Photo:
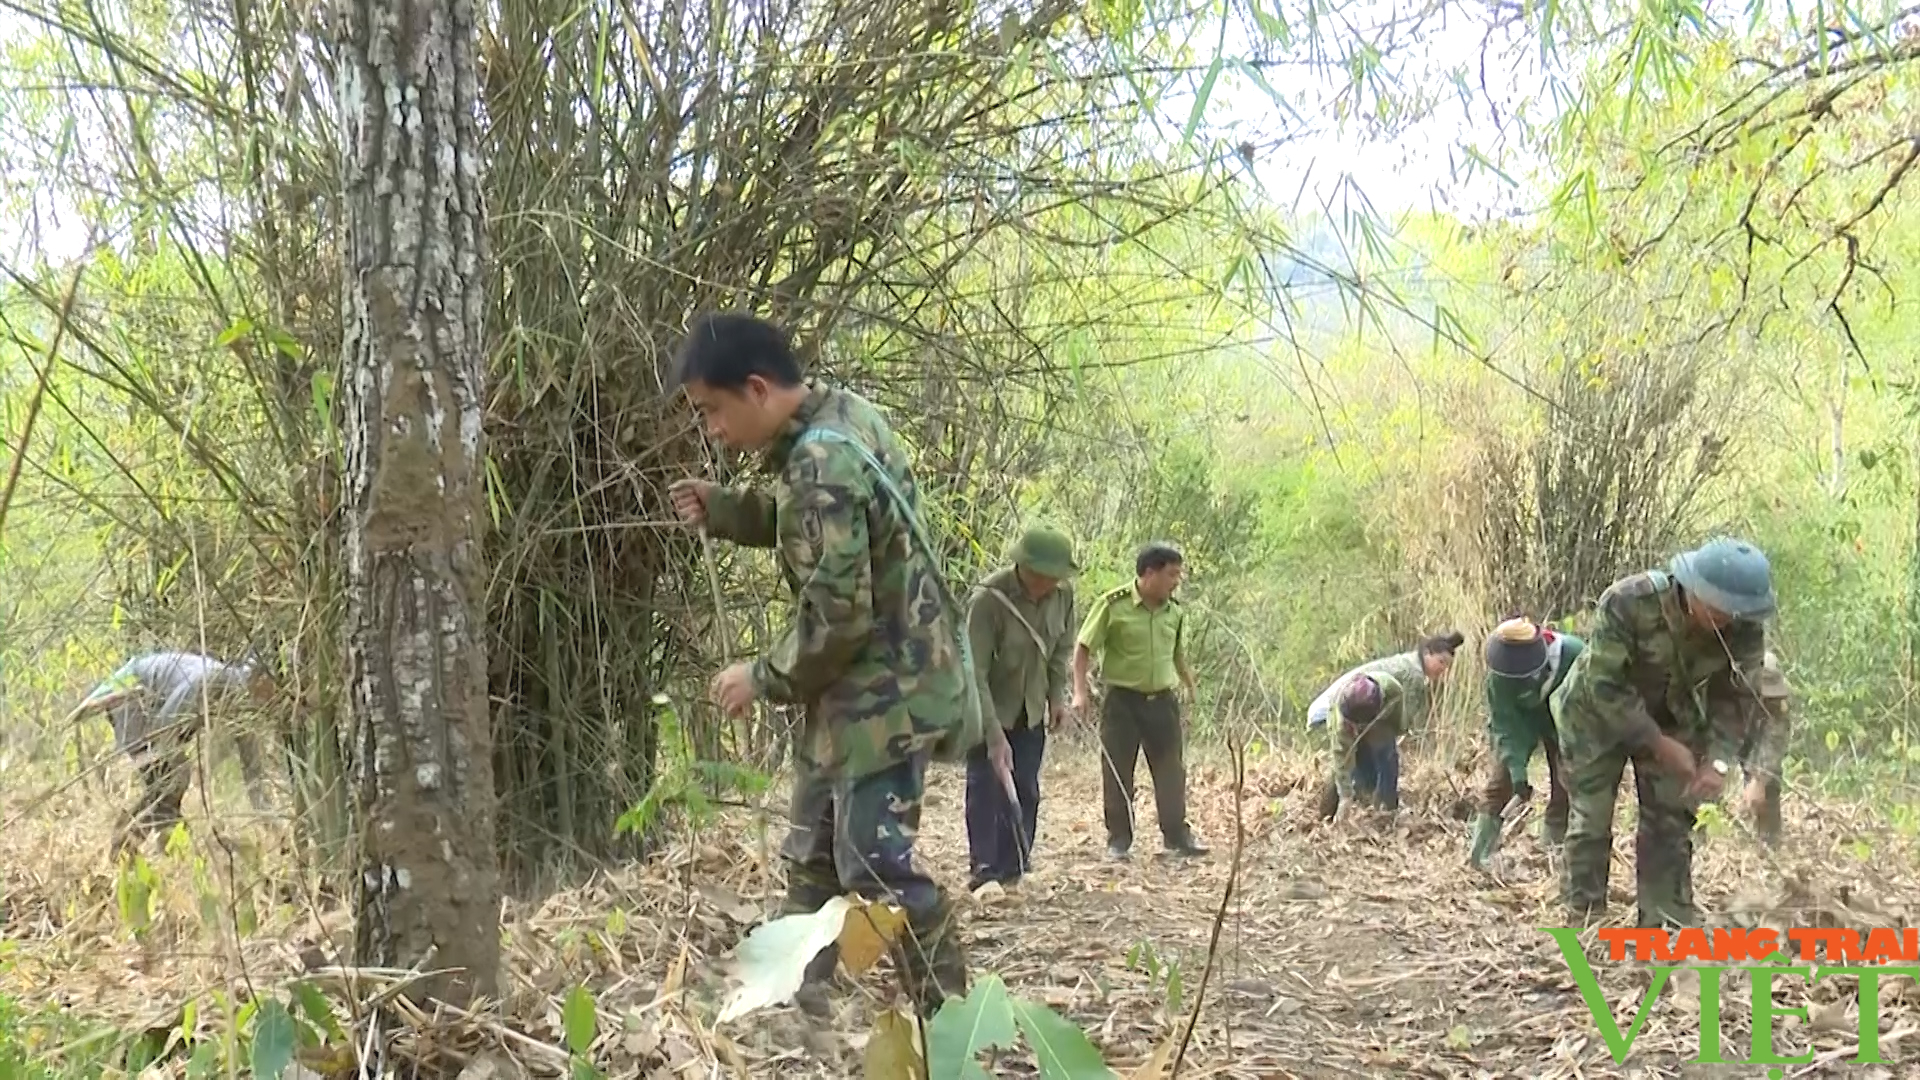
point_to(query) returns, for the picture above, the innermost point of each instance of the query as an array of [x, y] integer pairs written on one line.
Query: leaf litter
[[1368, 951]]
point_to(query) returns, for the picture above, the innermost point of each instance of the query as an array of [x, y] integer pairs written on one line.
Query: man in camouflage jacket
[[1663, 683], [872, 652]]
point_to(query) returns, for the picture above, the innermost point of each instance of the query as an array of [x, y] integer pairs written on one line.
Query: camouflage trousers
[[857, 836], [165, 772], [1768, 824], [1663, 844]]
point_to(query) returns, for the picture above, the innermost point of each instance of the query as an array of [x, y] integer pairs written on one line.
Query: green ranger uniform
[[1140, 650], [1647, 671], [1382, 731], [871, 656], [1519, 721], [1765, 747]]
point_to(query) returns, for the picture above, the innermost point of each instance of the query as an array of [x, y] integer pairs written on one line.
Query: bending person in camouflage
[[1526, 663], [1367, 719], [1418, 672], [156, 703], [1663, 683], [1020, 621], [872, 653], [1765, 749]]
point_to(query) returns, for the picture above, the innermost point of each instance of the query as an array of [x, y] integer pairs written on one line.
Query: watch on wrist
[[1720, 767]]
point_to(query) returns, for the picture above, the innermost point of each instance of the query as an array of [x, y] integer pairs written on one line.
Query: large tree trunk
[[414, 304]]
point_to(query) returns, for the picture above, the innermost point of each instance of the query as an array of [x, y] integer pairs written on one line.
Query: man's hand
[[1057, 715], [732, 690], [1079, 705], [1753, 798], [690, 499], [1707, 784], [1672, 755], [1000, 755]]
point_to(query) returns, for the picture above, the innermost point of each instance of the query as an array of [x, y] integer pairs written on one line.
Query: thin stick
[[719, 602], [726, 660], [40, 386], [1220, 913]]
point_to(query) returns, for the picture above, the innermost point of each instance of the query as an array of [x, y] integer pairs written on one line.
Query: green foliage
[[1165, 974], [989, 1018], [1062, 1050], [28, 1036], [271, 1046], [264, 1033], [136, 889], [580, 1019], [684, 782]]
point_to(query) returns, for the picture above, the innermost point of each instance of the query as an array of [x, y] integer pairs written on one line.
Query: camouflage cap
[[1732, 575], [1047, 552]]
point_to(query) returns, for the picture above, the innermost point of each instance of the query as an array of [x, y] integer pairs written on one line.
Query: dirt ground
[[1373, 952]]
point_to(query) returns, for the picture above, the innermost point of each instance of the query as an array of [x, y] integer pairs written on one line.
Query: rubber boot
[[931, 960], [1486, 839], [1554, 832]]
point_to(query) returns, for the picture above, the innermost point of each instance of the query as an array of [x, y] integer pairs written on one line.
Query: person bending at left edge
[[871, 654]]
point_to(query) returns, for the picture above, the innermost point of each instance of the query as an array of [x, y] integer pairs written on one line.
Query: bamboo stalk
[[40, 387]]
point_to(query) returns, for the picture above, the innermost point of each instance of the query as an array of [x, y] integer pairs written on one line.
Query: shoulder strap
[[955, 613], [1007, 602], [819, 434]]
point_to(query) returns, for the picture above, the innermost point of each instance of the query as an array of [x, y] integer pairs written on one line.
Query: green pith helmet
[[1731, 575], [1046, 552]]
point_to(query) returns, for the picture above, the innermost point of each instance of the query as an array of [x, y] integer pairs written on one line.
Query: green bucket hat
[[1046, 552]]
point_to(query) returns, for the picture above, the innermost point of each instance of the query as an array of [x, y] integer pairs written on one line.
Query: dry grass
[[1363, 954]]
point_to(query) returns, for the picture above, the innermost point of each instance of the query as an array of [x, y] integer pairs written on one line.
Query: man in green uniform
[[1137, 633], [1765, 750], [1020, 621], [1369, 716], [1526, 663], [873, 653], [1668, 668]]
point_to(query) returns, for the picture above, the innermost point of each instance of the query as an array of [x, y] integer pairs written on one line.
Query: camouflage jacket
[[1648, 671], [1382, 731], [171, 689], [1406, 669], [871, 651], [1518, 713], [1768, 721]]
